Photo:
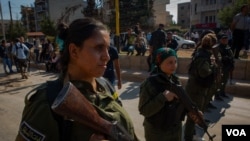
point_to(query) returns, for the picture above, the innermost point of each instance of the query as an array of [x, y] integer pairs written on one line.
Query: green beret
[[163, 53]]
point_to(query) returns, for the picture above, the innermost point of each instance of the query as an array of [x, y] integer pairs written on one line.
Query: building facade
[[204, 13], [41, 12], [183, 15], [65, 10], [160, 13], [28, 18]]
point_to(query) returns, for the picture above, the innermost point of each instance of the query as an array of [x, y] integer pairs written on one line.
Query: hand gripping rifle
[[186, 101], [71, 103], [188, 105]]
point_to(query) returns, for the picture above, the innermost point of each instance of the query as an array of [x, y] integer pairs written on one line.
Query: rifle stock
[[72, 104]]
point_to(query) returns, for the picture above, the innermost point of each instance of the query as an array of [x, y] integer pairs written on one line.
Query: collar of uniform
[[80, 84]]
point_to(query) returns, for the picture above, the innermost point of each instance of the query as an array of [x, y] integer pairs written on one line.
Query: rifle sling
[[53, 89]]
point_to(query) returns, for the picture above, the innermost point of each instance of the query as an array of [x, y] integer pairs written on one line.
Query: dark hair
[[204, 33], [161, 25], [62, 29], [208, 40], [243, 6], [77, 32], [17, 40], [3, 41]]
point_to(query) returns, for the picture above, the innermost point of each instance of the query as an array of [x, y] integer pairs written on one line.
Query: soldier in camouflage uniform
[[201, 78], [163, 113], [86, 40], [227, 60]]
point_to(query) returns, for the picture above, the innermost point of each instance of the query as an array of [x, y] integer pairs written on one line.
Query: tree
[[48, 27], [15, 30], [93, 9], [226, 15], [68, 11], [139, 11]]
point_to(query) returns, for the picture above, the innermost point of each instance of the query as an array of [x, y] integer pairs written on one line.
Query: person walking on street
[[113, 69], [239, 27], [20, 51], [83, 61], [36, 50], [5, 55]]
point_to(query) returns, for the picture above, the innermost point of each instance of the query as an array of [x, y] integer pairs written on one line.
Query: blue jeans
[[7, 62]]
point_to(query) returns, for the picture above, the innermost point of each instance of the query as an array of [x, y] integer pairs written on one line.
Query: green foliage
[[226, 15], [48, 27], [132, 12], [91, 9], [15, 30]]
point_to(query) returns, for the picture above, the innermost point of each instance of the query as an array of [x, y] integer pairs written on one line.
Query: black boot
[[223, 94], [217, 97]]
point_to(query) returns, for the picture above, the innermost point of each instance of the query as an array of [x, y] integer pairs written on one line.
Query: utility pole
[[10, 13], [3, 28], [117, 25]]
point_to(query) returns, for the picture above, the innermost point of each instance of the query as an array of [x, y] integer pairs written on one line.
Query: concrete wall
[[241, 72]]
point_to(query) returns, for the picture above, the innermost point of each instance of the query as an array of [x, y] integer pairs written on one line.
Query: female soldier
[[83, 61], [158, 103], [201, 78]]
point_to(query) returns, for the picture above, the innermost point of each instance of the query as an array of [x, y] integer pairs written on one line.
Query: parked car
[[183, 43]]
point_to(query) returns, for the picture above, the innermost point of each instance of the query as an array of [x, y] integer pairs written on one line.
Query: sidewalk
[[240, 88], [231, 111]]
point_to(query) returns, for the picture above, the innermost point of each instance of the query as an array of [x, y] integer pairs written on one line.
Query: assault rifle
[[72, 104], [187, 103]]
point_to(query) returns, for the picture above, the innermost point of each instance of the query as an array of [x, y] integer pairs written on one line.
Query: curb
[[239, 89]]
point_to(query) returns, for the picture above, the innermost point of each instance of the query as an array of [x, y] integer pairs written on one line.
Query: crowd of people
[[20, 53], [88, 61]]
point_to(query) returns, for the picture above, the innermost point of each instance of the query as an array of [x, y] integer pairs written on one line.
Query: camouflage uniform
[[40, 123], [162, 119], [201, 78], [227, 60]]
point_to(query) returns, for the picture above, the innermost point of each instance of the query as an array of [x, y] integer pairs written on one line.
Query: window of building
[[195, 8], [211, 2], [182, 8], [210, 19], [182, 21], [206, 19]]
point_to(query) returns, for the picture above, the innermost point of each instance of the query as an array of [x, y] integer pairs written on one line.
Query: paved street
[[234, 110]]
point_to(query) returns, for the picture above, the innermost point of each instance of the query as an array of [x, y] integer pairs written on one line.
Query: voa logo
[[236, 132]]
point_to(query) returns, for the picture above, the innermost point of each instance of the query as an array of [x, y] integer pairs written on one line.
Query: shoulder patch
[[29, 133]]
